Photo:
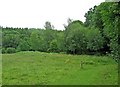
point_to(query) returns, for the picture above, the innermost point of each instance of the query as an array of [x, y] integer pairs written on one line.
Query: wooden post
[[81, 64]]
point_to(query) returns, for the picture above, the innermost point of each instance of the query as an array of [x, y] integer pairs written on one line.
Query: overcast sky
[[34, 13]]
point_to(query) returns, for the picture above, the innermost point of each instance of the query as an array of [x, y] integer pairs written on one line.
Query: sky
[[34, 13]]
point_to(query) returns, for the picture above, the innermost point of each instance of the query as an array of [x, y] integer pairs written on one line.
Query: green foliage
[[34, 41], [94, 40], [10, 39], [10, 50], [75, 38], [106, 18], [111, 21], [3, 50], [49, 35], [24, 46], [53, 46], [60, 41]]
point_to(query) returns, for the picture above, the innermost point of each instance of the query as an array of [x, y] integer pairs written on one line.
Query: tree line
[[98, 35]]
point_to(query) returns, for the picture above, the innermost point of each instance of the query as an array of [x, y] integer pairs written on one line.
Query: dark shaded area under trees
[[98, 35]]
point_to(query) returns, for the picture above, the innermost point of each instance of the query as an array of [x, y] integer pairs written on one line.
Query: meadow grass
[[38, 68], [0, 70]]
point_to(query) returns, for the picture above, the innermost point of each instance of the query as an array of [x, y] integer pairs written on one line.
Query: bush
[[10, 50], [3, 50]]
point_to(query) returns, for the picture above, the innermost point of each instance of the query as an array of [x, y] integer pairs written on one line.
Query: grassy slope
[[36, 68]]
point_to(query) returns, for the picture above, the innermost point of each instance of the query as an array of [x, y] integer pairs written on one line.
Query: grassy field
[[0, 70], [37, 68]]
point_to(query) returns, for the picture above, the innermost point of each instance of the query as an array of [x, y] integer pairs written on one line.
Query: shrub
[[3, 50], [10, 50]]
